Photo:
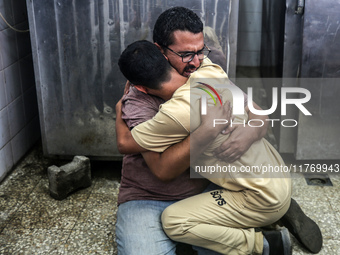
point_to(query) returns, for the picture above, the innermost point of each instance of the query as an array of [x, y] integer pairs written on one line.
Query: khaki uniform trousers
[[220, 220]]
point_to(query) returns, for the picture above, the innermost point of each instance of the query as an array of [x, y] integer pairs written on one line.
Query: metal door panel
[[76, 45]]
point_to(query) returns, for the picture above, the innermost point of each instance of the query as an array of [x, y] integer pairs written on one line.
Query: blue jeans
[[139, 230]]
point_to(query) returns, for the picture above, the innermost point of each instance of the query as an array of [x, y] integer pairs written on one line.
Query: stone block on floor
[[69, 178]]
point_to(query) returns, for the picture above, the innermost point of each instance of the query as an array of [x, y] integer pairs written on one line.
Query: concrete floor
[[31, 222]]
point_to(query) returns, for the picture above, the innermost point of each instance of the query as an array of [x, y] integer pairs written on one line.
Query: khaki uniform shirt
[[181, 114]]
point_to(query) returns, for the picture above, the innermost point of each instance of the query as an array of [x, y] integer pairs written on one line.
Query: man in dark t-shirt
[[142, 196], [138, 183]]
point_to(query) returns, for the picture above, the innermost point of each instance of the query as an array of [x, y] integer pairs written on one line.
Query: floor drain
[[318, 180]]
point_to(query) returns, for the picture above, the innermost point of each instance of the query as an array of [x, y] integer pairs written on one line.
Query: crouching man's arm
[[242, 137], [125, 142], [176, 159]]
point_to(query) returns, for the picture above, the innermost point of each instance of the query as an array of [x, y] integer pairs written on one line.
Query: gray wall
[[19, 123], [249, 33]]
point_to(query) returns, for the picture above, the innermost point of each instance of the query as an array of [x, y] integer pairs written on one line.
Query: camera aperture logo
[[208, 92], [239, 108]]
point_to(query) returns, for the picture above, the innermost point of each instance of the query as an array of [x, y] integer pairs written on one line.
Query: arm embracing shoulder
[[159, 133], [125, 142]]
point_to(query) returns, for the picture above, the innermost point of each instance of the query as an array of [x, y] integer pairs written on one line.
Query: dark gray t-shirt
[[138, 182]]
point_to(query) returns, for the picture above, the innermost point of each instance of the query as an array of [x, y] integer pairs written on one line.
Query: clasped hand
[[240, 137]]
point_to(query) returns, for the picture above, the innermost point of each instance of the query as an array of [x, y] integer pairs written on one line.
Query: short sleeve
[[159, 133], [138, 107]]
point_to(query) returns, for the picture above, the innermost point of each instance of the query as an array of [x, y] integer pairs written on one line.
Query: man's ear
[[159, 47], [141, 88], [161, 50]]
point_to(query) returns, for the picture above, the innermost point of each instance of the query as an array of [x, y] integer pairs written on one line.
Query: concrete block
[[70, 177]]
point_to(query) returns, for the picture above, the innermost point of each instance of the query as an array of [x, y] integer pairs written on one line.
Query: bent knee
[[172, 222], [167, 218]]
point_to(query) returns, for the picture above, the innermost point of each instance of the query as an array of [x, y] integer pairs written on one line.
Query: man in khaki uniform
[[174, 138], [248, 200]]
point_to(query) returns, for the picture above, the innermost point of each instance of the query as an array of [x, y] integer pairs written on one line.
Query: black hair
[[176, 18], [142, 63]]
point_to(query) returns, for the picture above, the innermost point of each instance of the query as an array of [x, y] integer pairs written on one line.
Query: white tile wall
[[4, 127], [19, 121], [20, 144], [6, 10], [6, 159], [12, 81], [8, 44], [16, 116], [3, 100], [249, 33]]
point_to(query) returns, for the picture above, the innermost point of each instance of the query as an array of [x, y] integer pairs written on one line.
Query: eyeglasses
[[189, 56]]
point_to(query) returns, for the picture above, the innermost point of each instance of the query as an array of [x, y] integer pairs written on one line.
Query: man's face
[[184, 42]]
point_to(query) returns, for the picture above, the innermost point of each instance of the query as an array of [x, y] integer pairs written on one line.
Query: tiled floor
[[31, 222], [322, 204]]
